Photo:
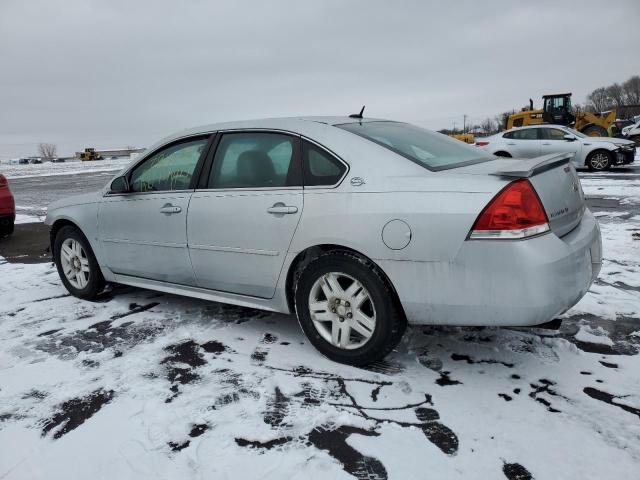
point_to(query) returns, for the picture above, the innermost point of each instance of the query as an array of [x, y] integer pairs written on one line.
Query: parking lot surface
[[147, 385]]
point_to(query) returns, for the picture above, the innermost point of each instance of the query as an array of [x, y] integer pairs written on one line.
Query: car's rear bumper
[[493, 282]]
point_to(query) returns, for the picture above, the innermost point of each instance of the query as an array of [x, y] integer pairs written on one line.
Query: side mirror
[[569, 138], [119, 185]]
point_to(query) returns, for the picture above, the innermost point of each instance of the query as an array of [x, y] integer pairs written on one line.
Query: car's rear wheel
[[502, 154], [347, 308], [76, 263], [599, 160]]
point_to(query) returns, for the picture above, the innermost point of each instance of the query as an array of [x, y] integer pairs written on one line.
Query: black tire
[[503, 154], [595, 131], [96, 283], [7, 227], [635, 138], [599, 160], [390, 320]]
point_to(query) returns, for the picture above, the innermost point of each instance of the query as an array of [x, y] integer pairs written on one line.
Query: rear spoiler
[[530, 166]]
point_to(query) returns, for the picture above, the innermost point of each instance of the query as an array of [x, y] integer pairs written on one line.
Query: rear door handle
[[511, 143], [546, 144], [282, 209], [169, 209]]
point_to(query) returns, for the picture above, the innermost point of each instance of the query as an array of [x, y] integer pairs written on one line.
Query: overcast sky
[[110, 73]]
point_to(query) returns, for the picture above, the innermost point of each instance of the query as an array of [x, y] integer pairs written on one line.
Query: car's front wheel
[[76, 263], [347, 308], [599, 160]]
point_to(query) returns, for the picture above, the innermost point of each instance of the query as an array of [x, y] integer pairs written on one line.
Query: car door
[[553, 141], [242, 218], [523, 143], [143, 232]]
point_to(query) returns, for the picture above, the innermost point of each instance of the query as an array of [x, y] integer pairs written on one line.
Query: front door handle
[[546, 144], [169, 209], [282, 209]]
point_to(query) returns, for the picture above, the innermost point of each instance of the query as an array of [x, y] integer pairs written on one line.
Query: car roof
[[541, 125], [294, 124]]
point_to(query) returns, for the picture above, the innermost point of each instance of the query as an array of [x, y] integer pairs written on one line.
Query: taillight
[[3, 181], [515, 212], [482, 143]]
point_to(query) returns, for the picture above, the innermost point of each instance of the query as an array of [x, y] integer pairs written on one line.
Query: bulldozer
[[89, 154], [557, 109]]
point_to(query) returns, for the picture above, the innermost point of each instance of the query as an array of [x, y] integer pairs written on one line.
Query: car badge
[[357, 181]]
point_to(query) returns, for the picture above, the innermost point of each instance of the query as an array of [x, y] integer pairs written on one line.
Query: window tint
[[508, 135], [554, 133], [320, 167], [432, 150], [253, 160], [169, 169], [526, 134]]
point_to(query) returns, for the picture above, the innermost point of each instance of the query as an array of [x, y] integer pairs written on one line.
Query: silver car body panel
[[241, 254]]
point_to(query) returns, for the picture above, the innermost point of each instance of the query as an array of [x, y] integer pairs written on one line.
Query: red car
[[7, 208]]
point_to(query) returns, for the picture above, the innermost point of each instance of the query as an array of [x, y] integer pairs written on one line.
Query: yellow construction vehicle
[[464, 137], [89, 154], [557, 109]]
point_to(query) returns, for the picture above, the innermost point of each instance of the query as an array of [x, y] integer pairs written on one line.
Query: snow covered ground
[[145, 385], [67, 168]]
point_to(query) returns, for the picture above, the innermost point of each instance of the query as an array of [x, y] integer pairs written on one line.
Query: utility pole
[[454, 127], [464, 123]]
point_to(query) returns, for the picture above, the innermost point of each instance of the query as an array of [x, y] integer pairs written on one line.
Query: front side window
[[432, 150], [254, 160], [554, 134], [169, 169], [319, 167], [526, 134]]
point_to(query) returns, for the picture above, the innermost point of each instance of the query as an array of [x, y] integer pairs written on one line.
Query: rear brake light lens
[[481, 143], [515, 212]]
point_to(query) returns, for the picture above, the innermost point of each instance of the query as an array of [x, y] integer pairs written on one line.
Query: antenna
[[357, 115]]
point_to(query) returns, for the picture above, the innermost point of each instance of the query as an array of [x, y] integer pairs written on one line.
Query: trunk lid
[[554, 179]]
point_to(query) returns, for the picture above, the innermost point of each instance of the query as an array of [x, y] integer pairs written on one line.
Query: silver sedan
[[357, 226]]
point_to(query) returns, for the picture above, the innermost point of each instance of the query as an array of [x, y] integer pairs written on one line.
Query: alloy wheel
[[599, 161], [342, 310], [75, 263]]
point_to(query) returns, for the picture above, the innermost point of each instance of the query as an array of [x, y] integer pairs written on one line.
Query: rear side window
[[254, 160], [319, 167], [431, 150]]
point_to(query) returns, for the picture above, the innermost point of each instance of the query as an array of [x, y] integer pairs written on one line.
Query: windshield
[[431, 150], [575, 132]]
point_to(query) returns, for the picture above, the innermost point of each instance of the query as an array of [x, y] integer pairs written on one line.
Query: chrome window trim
[[235, 190], [136, 194]]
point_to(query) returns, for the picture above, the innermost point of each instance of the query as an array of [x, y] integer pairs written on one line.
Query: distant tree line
[[615, 95], [601, 99]]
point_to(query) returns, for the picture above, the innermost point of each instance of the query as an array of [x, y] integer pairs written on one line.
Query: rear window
[[432, 150]]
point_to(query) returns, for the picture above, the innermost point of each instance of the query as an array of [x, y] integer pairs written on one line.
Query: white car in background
[[596, 153], [632, 132]]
